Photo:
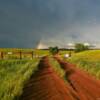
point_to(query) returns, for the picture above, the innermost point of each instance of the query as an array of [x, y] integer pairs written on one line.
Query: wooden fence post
[[70, 53], [2, 55], [20, 54], [32, 54]]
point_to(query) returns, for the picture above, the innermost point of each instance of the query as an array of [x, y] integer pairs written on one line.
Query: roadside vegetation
[[57, 68], [41, 52], [13, 76], [88, 61], [14, 73]]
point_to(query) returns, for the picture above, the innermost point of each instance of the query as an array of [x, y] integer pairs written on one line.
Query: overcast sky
[[23, 23]]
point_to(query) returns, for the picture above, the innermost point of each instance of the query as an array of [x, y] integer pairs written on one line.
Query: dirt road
[[45, 84]]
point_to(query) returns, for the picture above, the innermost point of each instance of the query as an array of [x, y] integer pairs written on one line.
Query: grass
[[14, 72], [41, 52], [88, 61], [13, 75], [57, 68]]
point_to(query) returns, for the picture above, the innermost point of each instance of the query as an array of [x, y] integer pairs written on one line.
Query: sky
[[25, 23]]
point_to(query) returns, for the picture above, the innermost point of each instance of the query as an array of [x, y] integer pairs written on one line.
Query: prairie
[[13, 75], [15, 72], [88, 61]]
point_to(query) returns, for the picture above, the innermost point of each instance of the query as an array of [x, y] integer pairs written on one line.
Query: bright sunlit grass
[[88, 61], [13, 75], [57, 68]]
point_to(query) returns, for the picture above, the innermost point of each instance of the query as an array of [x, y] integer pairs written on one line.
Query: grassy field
[[88, 61], [14, 72], [41, 52], [63, 52], [13, 75]]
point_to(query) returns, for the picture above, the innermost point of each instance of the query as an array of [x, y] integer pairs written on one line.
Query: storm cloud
[[23, 23]]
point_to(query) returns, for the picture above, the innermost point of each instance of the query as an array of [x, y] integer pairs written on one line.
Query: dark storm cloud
[[23, 23]]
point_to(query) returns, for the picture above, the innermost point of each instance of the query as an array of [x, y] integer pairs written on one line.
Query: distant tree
[[54, 50], [80, 47]]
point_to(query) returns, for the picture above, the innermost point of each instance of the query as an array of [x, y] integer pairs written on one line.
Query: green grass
[[57, 68], [41, 52], [88, 61], [13, 76]]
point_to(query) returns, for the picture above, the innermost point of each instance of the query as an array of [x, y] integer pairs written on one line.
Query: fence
[[17, 55]]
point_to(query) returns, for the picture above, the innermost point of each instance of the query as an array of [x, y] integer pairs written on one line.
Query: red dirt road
[[45, 84], [85, 86]]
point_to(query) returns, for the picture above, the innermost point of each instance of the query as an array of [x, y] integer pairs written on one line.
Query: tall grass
[[88, 61], [57, 68], [13, 75]]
